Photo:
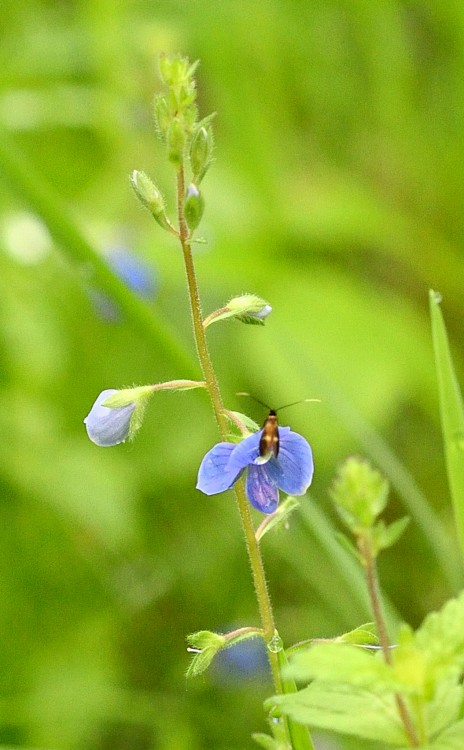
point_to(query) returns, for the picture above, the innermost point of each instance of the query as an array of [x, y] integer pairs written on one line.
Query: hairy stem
[[365, 548], [254, 552]]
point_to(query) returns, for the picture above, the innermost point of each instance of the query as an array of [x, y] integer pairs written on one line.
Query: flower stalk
[[254, 552], [364, 544]]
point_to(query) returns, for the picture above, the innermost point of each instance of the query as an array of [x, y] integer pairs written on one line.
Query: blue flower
[[109, 426], [291, 471]]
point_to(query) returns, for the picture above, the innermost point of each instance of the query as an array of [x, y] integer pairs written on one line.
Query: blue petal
[[261, 490], [108, 426], [245, 453], [213, 474], [293, 470]]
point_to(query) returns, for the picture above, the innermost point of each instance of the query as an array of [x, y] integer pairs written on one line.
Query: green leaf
[[386, 536], [248, 423], [364, 634], [343, 663], [344, 709], [451, 413], [266, 741], [276, 519], [445, 707], [299, 735], [441, 638], [347, 544], [451, 739], [204, 645]]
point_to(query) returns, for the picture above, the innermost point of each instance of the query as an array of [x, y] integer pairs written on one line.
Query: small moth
[[269, 442]]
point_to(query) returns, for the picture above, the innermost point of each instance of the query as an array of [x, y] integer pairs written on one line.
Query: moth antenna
[[301, 401], [258, 401]]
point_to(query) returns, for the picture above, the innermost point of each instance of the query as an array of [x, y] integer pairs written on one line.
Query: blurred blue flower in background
[[291, 471], [134, 272], [242, 661]]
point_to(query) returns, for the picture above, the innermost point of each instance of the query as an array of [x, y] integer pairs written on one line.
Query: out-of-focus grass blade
[[451, 412], [31, 186]]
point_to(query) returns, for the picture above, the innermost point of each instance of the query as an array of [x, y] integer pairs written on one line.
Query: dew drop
[[275, 644]]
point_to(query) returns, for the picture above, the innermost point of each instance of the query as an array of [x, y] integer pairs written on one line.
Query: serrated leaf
[[441, 638], [343, 663], [344, 709], [445, 707]]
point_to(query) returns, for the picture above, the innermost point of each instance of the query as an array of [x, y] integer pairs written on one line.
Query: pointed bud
[[176, 70], [248, 308], [204, 645], [194, 205], [150, 197], [200, 153]]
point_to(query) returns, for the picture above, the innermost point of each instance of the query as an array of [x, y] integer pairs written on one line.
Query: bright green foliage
[[176, 111], [206, 645], [359, 493], [353, 690], [339, 189], [278, 518]]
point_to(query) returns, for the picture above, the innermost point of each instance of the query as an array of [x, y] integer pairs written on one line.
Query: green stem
[[368, 557], [254, 552]]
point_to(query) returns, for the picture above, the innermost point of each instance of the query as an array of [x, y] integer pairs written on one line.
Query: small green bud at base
[[194, 205]]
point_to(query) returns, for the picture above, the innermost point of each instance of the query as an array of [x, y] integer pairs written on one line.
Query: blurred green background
[[337, 195]]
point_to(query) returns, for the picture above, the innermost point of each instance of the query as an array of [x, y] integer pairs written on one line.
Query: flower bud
[[117, 415], [248, 308], [147, 192], [194, 205], [200, 153], [162, 115], [176, 70], [108, 426], [205, 646], [150, 197], [176, 142]]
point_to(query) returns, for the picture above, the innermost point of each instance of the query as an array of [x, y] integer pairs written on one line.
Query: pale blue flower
[[291, 471], [108, 426]]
